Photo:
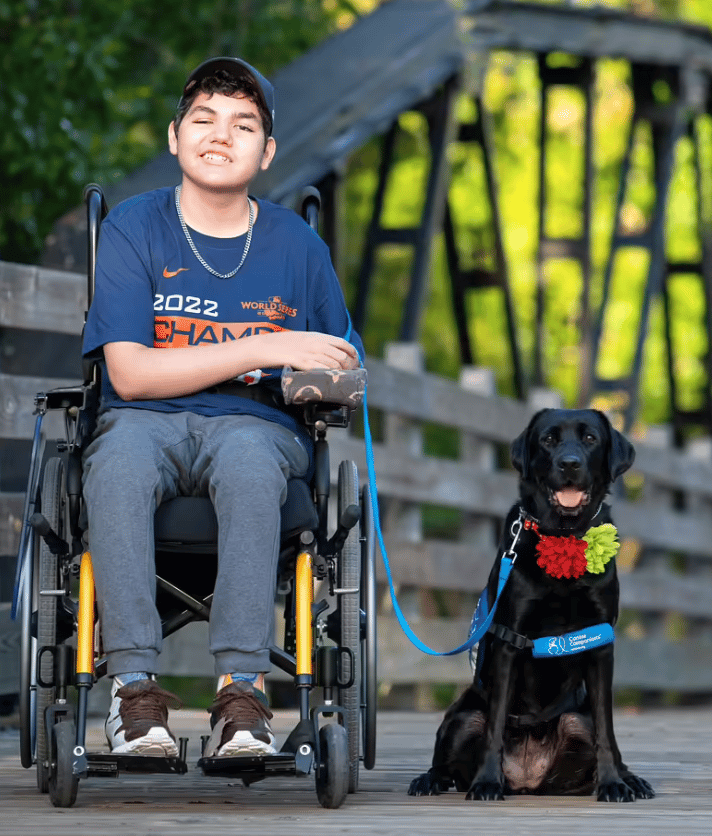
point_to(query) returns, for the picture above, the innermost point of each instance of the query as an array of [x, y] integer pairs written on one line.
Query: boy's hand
[[308, 350]]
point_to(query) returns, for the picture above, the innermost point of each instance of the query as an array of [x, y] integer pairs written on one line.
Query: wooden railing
[[442, 511]]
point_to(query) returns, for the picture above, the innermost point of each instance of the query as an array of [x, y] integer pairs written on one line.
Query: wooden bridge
[[442, 508]]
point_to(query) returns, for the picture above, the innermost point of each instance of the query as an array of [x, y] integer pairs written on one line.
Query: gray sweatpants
[[139, 458]]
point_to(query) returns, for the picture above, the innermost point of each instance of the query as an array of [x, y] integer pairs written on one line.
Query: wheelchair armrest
[[330, 386], [79, 404], [68, 397]]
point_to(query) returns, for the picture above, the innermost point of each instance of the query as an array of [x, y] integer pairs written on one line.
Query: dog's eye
[[590, 438], [548, 439]]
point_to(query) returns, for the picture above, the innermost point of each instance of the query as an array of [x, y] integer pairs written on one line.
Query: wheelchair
[[329, 644]]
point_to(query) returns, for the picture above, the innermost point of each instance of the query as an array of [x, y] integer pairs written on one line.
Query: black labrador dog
[[544, 724]]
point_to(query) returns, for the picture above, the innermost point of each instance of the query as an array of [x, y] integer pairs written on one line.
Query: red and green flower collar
[[570, 557]]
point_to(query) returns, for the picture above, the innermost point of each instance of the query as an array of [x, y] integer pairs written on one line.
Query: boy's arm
[[138, 372]]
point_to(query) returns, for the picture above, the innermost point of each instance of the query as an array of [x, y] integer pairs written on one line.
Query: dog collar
[[571, 557]]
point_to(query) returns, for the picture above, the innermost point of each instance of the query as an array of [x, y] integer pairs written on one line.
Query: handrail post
[[404, 520]]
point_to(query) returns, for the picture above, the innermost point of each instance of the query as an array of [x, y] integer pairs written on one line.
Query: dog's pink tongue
[[569, 497]]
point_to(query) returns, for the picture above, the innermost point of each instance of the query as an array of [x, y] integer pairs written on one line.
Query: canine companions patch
[[575, 642]]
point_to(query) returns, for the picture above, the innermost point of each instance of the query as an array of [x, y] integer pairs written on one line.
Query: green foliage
[[55, 69]]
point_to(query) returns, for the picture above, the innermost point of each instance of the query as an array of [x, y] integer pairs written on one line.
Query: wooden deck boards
[[670, 748]]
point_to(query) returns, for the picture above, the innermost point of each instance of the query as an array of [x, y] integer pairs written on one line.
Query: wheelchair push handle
[[310, 206], [96, 211]]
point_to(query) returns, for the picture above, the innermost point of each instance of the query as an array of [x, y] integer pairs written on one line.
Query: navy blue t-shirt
[[152, 290]]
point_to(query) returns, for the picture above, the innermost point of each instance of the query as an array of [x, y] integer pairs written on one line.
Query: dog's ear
[[519, 451], [621, 453]]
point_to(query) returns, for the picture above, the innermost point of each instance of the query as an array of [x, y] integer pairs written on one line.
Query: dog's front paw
[[485, 791], [615, 791], [641, 788], [427, 784]]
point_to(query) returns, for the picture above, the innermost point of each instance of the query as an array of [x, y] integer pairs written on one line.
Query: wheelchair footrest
[[250, 767], [111, 765]]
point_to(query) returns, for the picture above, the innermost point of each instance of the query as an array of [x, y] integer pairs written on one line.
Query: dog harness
[[563, 645]]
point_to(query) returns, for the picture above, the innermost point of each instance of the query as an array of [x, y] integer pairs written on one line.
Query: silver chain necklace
[[248, 240]]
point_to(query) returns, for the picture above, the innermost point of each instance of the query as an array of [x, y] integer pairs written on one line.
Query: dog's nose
[[569, 462]]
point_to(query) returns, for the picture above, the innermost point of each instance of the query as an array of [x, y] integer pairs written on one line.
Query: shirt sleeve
[[122, 307]]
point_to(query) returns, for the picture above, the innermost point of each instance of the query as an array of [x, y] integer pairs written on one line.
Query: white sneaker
[[240, 722], [138, 719]]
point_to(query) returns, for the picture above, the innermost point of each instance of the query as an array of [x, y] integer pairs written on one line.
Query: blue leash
[[481, 618]]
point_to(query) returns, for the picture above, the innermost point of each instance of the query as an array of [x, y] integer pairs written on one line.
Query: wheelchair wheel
[[369, 637], [63, 784], [27, 668], [52, 506], [332, 777], [349, 577]]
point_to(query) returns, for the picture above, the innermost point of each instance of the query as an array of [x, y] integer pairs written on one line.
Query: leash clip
[[515, 531]]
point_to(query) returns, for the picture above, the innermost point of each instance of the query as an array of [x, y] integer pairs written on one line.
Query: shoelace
[[238, 706], [147, 703]]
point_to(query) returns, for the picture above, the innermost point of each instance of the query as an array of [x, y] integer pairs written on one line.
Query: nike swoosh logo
[[169, 274]]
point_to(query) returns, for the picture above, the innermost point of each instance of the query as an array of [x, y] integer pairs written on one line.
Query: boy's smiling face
[[220, 144]]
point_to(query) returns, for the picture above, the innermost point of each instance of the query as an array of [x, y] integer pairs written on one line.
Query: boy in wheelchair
[[202, 295]]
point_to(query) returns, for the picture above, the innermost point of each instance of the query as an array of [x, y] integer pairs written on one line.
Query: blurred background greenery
[[89, 87]]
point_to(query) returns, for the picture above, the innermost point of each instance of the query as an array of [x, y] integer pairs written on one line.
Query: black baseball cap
[[239, 69]]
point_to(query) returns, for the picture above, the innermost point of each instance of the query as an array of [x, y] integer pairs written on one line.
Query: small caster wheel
[[63, 784], [332, 775], [42, 777]]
